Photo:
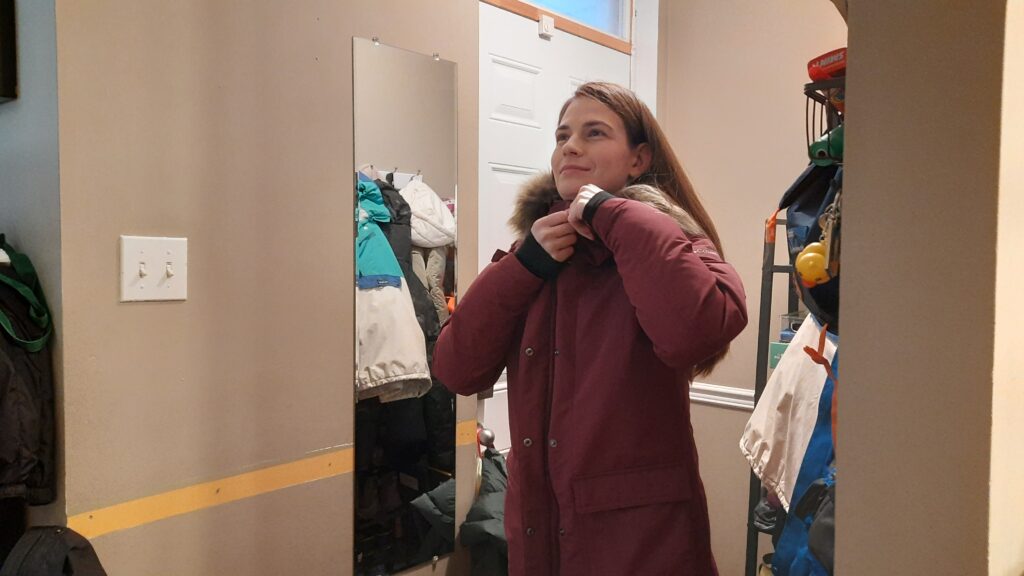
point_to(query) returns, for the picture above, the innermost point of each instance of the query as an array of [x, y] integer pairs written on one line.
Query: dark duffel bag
[[27, 435], [52, 551]]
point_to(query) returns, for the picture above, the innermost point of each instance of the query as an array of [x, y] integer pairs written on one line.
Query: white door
[[524, 80]]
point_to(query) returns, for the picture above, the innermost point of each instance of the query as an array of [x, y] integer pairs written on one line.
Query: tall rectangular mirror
[[405, 181]]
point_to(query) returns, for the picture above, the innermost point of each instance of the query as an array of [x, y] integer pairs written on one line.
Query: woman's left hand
[[576, 210]]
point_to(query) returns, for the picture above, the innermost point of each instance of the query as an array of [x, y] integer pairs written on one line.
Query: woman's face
[[591, 147]]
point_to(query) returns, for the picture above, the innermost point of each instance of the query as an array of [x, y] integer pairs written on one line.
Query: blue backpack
[[804, 203]]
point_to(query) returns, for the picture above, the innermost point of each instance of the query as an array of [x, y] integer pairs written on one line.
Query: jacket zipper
[[555, 518]]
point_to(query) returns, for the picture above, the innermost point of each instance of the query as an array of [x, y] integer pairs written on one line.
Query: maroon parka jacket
[[603, 476]]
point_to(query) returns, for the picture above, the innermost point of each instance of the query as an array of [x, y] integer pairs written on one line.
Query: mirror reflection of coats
[[433, 230], [399, 234], [391, 362]]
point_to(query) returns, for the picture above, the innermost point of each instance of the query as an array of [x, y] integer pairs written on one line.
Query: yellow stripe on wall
[[192, 498], [465, 433], [209, 494]]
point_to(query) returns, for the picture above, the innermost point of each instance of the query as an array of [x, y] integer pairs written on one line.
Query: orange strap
[[769, 227], [819, 358]]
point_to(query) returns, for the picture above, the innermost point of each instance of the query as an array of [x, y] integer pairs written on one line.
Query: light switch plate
[[153, 268]]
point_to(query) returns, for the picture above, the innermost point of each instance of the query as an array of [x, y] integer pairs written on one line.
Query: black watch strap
[[593, 204]]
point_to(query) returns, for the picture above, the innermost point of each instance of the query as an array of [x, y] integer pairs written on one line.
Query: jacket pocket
[[632, 488]]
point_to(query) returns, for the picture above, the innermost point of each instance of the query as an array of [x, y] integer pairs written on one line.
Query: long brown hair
[[665, 173]]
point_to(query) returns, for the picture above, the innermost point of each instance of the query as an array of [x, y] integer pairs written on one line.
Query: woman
[[614, 298]]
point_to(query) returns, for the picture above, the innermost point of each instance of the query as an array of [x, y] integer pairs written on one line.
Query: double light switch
[[153, 268]]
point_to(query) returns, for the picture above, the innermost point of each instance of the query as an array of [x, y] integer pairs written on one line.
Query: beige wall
[[405, 113], [924, 198], [1006, 506], [229, 123], [731, 101], [290, 531], [726, 477]]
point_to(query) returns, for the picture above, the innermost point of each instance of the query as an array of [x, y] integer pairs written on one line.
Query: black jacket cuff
[[592, 205], [535, 259]]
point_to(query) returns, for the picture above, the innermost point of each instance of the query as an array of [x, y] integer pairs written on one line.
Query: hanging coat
[[483, 532], [27, 429], [433, 225], [776, 436], [399, 234], [433, 228], [429, 266], [603, 476], [792, 556], [392, 355], [376, 264]]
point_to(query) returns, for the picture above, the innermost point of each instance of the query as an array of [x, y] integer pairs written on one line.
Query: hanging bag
[[805, 202], [27, 454], [52, 551], [25, 282]]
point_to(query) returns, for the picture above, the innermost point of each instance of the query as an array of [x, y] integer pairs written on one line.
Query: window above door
[[608, 16], [606, 22]]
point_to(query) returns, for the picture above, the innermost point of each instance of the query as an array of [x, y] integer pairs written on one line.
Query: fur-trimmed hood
[[539, 195]]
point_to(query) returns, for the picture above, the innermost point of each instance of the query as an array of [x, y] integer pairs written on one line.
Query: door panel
[[524, 80], [514, 88]]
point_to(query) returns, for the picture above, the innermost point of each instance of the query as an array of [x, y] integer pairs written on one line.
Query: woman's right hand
[[555, 235]]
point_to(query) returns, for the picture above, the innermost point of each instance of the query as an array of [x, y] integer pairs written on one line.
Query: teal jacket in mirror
[[376, 264]]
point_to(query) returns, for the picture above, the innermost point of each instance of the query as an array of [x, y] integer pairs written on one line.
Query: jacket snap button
[[527, 442], [529, 351], [561, 531], [556, 352], [553, 443], [529, 531]]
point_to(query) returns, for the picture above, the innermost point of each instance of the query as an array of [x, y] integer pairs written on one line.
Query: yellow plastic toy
[[812, 264]]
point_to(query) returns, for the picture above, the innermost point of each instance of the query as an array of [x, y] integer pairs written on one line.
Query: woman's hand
[[555, 235], [576, 211]]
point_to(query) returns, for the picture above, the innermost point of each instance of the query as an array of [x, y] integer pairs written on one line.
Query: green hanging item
[[828, 149], [21, 277]]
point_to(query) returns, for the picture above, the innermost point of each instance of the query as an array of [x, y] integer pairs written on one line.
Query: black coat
[[399, 235], [27, 452], [483, 532]]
